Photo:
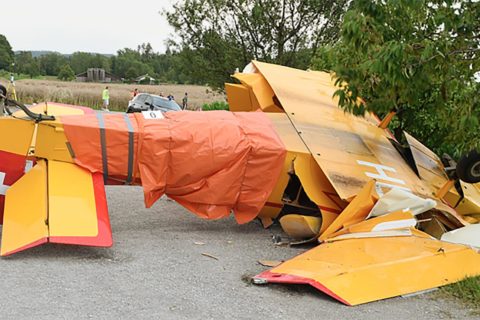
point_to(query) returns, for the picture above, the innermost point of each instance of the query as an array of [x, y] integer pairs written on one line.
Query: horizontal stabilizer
[[25, 216], [46, 206], [78, 212], [361, 270]]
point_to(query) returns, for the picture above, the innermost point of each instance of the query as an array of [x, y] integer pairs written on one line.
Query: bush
[[66, 73], [217, 105]]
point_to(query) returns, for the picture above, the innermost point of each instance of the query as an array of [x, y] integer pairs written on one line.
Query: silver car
[[147, 102]]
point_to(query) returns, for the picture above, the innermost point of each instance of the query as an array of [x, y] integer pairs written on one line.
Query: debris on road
[[209, 255], [269, 263]]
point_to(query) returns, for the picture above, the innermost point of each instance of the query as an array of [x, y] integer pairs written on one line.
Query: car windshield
[[165, 104], [140, 98]]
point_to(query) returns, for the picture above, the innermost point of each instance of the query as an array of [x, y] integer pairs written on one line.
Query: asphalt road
[[156, 270]]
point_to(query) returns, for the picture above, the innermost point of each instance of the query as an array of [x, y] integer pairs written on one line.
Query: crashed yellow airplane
[[377, 209]]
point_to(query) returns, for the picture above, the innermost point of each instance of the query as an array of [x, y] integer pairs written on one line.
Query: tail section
[[46, 206]]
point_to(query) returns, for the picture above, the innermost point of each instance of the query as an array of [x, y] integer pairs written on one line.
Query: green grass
[[20, 76], [468, 291], [217, 105]]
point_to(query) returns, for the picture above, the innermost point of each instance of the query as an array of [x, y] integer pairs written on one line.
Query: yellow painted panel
[[363, 270], [355, 212], [314, 181], [393, 220], [295, 147], [350, 150], [26, 211], [300, 226], [238, 97], [260, 90], [286, 131], [72, 209], [53, 109], [51, 142], [316, 184], [16, 135], [470, 205]]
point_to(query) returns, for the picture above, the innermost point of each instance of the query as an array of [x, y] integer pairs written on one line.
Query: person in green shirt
[[106, 98]]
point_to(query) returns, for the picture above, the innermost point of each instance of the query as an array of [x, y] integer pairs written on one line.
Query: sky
[[101, 26]]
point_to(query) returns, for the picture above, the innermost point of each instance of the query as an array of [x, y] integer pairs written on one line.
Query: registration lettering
[[382, 176]]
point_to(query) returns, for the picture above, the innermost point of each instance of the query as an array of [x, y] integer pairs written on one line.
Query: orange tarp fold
[[209, 162]]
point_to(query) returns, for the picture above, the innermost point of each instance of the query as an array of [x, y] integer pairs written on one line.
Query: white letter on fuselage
[[381, 172]]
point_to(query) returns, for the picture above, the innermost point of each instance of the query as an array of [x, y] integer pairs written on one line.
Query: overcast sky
[[66, 26]]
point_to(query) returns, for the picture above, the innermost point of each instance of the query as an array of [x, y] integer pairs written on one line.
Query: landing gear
[[468, 167]]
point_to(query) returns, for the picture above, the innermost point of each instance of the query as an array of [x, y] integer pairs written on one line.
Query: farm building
[[145, 79], [96, 75]]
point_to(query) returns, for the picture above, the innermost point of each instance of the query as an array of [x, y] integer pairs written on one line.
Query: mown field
[[90, 94]]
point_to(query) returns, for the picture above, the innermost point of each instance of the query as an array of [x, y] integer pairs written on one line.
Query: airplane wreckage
[[388, 219]]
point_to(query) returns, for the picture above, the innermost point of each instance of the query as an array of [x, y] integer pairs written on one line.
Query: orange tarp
[[209, 162]]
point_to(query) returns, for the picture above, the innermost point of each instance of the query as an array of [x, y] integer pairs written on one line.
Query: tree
[[66, 73], [130, 61], [131, 74], [146, 52], [6, 54], [51, 63], [417, 57], [224, 35], [26, 64], [81, 61]]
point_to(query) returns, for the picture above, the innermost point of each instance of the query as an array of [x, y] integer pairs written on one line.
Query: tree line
[[127, 64]]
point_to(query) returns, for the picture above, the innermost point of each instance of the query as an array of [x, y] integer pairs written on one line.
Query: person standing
[[185, 101], [106, 99], [134, 93]]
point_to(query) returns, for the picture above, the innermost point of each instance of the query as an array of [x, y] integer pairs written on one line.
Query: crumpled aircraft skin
[[359, 259]]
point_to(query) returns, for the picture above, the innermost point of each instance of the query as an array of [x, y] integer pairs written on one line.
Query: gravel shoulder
[[156, 270]]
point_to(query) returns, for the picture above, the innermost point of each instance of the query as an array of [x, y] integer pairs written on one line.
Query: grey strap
[[103, 142], [130, 148], [70, 149]]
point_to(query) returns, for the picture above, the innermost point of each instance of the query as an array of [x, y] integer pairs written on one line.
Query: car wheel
[[468, 167]]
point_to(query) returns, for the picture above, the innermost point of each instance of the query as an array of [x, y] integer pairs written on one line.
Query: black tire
[[468, 167]]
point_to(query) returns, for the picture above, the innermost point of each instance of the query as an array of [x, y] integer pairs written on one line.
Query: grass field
[[90, 94], [467, 291]]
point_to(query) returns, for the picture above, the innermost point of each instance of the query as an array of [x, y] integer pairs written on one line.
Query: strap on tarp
[[103, 142], [130, 149]]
